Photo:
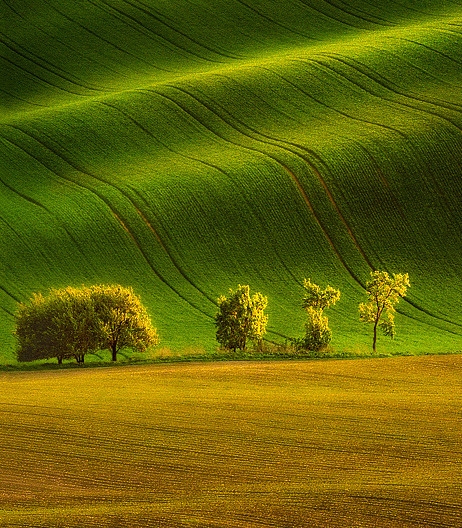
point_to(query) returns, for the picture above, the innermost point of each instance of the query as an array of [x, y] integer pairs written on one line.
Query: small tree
[[240, 318], [123, 321], [318, 334], [384, 293]]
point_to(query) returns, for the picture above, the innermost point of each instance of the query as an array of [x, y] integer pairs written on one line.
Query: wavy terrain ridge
[[183, 148]]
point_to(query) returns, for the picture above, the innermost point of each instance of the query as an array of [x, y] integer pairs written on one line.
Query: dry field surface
[[367, 443]]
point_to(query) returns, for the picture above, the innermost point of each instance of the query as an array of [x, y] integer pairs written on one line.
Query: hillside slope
[[185, 147]]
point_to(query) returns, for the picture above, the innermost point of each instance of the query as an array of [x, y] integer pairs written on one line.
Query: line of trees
[[241, 318], [73, 322]]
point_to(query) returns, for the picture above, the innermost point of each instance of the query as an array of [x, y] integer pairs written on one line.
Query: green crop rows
[[371, 443], [182, 148]]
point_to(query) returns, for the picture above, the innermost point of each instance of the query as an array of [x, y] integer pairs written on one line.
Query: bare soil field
[[341, 443]]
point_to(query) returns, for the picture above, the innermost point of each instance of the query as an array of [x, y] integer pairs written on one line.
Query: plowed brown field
[[363, 443]]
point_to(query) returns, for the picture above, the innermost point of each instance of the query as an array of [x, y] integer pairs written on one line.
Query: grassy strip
[[270, 353]]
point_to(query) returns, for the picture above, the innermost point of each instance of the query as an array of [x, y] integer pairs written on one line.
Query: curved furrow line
[[9, 294], [433, 323], [407, 299], [283, 144], [8, 312], [450, 31], [49, 67], [167, 251], [77, 52], [262, 225], [275, 22], [331, 108], [341, 112], [420, 308], [41, 206], [428, 48], [112, 106], [299, 146], [159, 17], [412, 8], [405, 106], [41, 79], [148, 224], [310, 206], [123, 224], [123, 16], [208, 164], [383, 179], [276, 142], [339, 212], [8, 3], [15, 96], [428, 74], [33, 249], [413, 108], [114, 212], [99, 37], [15, 191], [174, 261], [331, 17], [364, 16], [274, 109], [397, 206], [274, 158], [385, 83], [381, 83]]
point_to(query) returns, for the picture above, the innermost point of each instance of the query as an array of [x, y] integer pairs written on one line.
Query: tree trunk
[[114, 352], [80, 358], [374, 341], [60, 360]]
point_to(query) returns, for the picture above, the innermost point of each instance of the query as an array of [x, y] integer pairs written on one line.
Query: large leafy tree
[[315, 300], [123, 320], [61, 324], [73, 322], [240, 318], [383, 294]]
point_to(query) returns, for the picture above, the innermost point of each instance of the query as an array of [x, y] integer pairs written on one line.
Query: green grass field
[[371, 443], [182, 148]]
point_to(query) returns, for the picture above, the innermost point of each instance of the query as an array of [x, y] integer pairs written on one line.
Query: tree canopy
[[123, 321], [383, 294], [240, 318], [73, 322], [315, 300]]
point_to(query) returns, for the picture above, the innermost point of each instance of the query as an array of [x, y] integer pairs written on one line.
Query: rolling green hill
[[183, 147]]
